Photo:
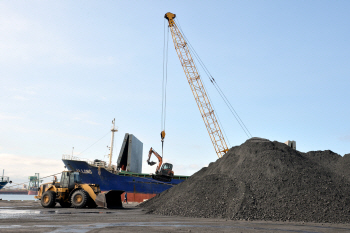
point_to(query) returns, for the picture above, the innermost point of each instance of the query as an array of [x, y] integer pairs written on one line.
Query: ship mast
[[112, 142]]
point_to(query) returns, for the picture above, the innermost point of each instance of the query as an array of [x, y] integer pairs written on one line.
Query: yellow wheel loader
[[71, 192]]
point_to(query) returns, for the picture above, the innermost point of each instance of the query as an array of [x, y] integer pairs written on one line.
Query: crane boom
[[197, 87]]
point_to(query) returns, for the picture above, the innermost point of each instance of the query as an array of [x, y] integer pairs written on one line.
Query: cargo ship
[[4, 180], [126, 175]]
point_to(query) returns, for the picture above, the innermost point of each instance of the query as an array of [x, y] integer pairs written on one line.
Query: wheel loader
[[70, 191]]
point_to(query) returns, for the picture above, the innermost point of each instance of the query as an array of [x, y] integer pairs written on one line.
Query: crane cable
[[93, 143], [205, 88], [212, 80], [164, 83], [14, 184]]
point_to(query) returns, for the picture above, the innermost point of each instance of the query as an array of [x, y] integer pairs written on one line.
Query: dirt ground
[[29, 216]]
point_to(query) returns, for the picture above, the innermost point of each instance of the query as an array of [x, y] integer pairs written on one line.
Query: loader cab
[[69, 178]]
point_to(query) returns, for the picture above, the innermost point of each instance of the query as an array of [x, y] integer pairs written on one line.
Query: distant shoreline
[[19, 192]]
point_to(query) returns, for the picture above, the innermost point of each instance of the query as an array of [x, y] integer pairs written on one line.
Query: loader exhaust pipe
[[110, 199]]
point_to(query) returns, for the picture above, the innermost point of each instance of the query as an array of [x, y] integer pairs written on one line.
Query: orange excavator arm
[[160, 159]]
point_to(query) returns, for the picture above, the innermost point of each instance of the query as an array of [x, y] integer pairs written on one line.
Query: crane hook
[[162, 136]]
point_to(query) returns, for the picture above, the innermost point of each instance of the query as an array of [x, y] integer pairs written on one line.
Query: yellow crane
[[197, 88]]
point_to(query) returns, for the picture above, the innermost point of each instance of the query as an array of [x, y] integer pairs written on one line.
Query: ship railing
[[4, 179], [71, 157], [102, 164]]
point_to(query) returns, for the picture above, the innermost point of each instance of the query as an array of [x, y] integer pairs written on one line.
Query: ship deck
[[145, 175]]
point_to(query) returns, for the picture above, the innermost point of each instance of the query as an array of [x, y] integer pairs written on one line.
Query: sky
[[68, 68]]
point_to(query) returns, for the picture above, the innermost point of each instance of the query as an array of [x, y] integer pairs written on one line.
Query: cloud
[[21, 98], [80, 117], [42, 131], [92, 122], [4, 116], [26, 90], [18, 93], [26, 41], [19, 168], [187, 170]]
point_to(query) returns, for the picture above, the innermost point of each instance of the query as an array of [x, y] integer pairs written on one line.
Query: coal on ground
[[263, 180]]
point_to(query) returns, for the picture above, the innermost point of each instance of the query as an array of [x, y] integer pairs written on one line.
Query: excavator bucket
[[110, 199], [151, 163]]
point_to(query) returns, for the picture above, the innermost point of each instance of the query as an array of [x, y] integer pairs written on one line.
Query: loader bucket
[[110, 199]]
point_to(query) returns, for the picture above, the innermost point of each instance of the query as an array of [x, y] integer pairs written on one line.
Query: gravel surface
[[30, 216], [264, 180]]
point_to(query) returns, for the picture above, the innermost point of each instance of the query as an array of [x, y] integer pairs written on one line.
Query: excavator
[[164, 171]]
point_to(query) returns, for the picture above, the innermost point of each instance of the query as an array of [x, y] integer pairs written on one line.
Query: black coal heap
[[264, 180]]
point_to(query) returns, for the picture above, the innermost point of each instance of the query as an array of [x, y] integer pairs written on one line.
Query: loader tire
[[79, 199], [48, 200]]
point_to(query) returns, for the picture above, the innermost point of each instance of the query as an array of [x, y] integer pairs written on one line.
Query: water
[[16, 197]]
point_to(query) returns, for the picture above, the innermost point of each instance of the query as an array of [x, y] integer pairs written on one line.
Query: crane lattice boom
[[197, 88]]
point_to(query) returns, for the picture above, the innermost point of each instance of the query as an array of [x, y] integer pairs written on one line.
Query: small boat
[[4, 180]]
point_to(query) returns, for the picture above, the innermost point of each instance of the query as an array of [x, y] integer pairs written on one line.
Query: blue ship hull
[[2, 184], [127, 182]]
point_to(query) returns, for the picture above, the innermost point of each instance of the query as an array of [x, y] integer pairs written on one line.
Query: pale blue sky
[[67, 68]]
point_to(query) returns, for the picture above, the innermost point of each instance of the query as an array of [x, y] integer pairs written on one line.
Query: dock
[[29, 216]]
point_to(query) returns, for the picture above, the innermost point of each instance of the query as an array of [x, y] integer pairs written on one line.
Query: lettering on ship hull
[[84, 171]]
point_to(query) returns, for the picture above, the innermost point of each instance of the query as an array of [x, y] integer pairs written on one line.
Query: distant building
[[292, 144]]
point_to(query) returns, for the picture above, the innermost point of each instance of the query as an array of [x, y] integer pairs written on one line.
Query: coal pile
[[263, 180], [331, 160]]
